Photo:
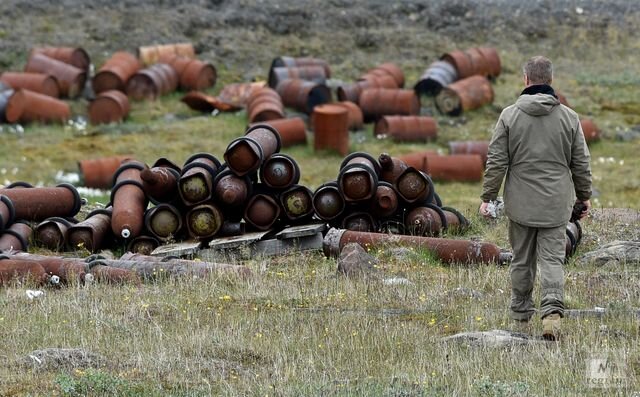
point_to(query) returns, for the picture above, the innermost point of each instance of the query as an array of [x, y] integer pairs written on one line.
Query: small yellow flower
[[478, 318]]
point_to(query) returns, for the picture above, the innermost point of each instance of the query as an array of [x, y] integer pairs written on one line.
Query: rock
[[402, 253], [355, 261], [627, 252], [54, 359], [629, 135], [493, 338], [396, 281], [467, 293]]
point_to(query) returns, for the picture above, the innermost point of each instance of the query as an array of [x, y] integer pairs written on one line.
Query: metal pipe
[[39, 203]]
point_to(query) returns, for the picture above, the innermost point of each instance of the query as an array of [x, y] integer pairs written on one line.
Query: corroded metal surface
[[98, 173], [115, 72], [480, 148], [40, 203], [407, 128], [25, 106], [463, 95], [70, 79], [109, 107], [331, 128], [378, 102], [38, 82], [129, 201], [152, 82], [91, 233]]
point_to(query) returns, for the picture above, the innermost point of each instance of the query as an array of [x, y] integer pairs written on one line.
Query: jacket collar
[[539, 89]]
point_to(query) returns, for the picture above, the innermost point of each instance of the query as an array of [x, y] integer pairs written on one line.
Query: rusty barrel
[[109, 107], [352, 92], [438, 75], [407, 128], [354, 115], [425, 221], [70, 79], [37, 82], [455, 167], [303, 95], [315, 74], [447, 250], [231, 191], [91, 233], [358, 177], [359, 221], [328, 202], [331, 128], [194, 74], [26, 106], [52, 233], [7, 212], [385, 201], [296, 203], [196, 181], [262, 211], [204, 220], [128, 200], [39, 203], [589, 129], [562, 98], [285, 61], [75, 56], [98, 173], [264, 104], [456, 221], [246, 154], [492, 58], [390, 168], [480, 148], [143, 245], [6, 93], [160, 184], [414, 187], [152, 82], [164, 222], [378, 102], [292, 131], [463, 95], [279, 171], [389, 69], [461, 61], [21, 271], [115, 72], [16, 237], [165, 52]]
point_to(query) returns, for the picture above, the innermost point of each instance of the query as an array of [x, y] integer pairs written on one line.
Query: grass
[[296, 328]]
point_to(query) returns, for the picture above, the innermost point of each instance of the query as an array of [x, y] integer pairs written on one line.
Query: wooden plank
[[182, 249], [301, 231]]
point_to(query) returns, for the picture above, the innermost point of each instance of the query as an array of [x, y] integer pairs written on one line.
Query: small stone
[[625, 252], [355, 261], [493, 338], [467, 293]]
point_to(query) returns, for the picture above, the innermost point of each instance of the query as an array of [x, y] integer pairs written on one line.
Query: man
[[540, 146]]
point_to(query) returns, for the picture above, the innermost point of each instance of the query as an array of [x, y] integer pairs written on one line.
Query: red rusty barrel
[[39, 203], [480, 148], [91, 233], [389, 69], [98, 173], [301, 61], [438, 75], [407, 128], [303, 95], [463, 95], [25, 106], [75, 56], [165, 52], [331, 128], [308, 73], [109, 107], [385, 201], [352, 92], [355, 117], [292, 131], [7, 212], [160, 184], [461, 62], [479, 62], [16, 237], [493, 60], [296, 203], [358, 177], [129, 201], [328, 202], [455, 167], [152, 82], [378, 102], [37, 82], [279, 171], [264, 104], [115, 72], [12, 271], [589, 129], [196, 181], [198, 75], [70, 79], [163, 221], [262, 211], [447, 250], [246, 154], [52, 233]]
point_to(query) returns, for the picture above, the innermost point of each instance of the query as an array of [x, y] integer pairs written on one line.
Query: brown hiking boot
[[551, 327], [522, 326]]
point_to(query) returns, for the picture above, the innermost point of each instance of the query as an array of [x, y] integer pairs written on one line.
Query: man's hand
[[483, 210], [585, 210]]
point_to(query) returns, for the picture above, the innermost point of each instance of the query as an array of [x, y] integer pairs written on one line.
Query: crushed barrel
[[438, 75]]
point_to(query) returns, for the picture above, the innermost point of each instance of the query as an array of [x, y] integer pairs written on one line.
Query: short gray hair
[[539, 70]]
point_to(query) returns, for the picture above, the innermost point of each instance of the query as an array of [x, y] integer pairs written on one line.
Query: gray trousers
[[533, 248]]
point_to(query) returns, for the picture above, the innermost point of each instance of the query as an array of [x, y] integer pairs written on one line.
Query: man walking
[[539, 144]]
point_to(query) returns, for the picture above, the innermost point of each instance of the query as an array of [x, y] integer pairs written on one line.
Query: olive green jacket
[[540, 146]]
